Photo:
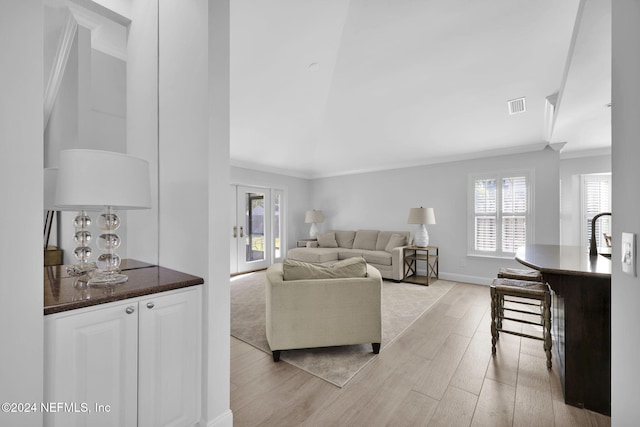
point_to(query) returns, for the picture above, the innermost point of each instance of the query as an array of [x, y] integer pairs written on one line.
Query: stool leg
[[494, 314], [547, 327], [500, 310]]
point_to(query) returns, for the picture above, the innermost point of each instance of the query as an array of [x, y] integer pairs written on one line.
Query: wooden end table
[[302, 243], [411, 255]]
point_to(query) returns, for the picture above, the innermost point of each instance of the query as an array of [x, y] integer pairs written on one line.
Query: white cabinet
[[134, 362], [169, 354]]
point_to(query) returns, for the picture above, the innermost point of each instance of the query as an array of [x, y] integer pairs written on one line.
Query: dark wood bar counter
[[581, 320], [63, 292]]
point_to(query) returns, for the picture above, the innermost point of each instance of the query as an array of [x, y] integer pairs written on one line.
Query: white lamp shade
[[313, 217], [421, 216], [94, 179], [50, 181]]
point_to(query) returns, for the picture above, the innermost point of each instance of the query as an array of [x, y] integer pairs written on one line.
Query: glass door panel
[[253, 230], [254, 227], [258, 228], [277, 225]]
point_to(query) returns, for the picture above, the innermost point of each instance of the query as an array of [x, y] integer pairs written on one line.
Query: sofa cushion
[[344, 253], [299, 270], [377, 257], [366, 239], [327, 240], [313, 254], [345, 238], [395, 241], [372, 257]]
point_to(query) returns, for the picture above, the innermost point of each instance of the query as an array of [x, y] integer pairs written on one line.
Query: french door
[[257, 227]]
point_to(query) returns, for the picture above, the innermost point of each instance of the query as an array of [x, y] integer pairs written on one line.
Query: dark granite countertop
[[571, 260], [63, 293]]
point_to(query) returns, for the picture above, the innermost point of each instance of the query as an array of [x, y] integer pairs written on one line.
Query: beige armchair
[[322, 312]]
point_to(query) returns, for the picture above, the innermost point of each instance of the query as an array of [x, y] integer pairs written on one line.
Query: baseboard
[[223, 420], [477, 280]]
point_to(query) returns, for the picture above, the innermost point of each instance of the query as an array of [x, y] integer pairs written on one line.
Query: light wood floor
[[438, 373]]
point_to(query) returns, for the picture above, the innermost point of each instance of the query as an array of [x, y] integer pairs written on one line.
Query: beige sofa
[[311, 313], [382, 249]]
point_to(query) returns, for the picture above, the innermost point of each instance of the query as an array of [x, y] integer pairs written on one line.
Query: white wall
[[21, 162], [571, 171], [183, 136], [194, 186], [625, 290], [91, 99], [381, 200], [142, 122], [108, 107], [217, 371], [298, 197], [61, 131]]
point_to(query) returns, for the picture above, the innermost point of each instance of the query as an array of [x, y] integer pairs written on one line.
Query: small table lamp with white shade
[[313, 217], [108, 181], [421, 216]]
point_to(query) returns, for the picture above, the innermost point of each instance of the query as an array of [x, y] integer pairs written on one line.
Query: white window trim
[[530, 215]]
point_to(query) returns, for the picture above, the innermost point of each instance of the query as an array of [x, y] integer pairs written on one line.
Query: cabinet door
[[92, 367], [169, 366]]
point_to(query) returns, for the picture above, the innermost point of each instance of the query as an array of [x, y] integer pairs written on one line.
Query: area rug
[[402, 304]]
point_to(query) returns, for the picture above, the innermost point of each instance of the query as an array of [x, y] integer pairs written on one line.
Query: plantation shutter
[[514, 213], [485, 210], [597, 199]]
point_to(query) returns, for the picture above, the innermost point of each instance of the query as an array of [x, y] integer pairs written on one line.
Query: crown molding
[[400, 165], [595, 152], [269, 169]]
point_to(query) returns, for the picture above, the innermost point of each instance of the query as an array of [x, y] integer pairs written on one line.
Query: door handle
[[235, 231], [241, 231]]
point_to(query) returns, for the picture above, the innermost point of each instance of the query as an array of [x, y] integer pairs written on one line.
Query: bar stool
[[527, 290], [520, 274]]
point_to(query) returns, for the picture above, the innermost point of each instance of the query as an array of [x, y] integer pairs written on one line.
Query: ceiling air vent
[[517, 106]]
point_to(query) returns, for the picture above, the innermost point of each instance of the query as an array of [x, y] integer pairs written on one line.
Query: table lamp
[[421, 216], [108, 181], [313, 217]]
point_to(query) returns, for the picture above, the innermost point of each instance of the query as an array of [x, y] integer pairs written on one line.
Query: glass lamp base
[[106, 278], [80, 269]]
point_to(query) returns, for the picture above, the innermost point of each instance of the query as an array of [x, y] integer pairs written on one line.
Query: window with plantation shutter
[[485, 214], [596, 198], [499, 214]]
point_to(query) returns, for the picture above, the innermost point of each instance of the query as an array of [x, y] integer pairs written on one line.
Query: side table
[[411, 255], [302, 243]]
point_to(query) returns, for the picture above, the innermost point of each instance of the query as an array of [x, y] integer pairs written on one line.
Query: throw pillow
[[299, 270], [345, 238], [327, 240], [395, 241], [366, 239]]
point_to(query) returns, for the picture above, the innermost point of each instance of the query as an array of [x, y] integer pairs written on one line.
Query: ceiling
[[331, 87]]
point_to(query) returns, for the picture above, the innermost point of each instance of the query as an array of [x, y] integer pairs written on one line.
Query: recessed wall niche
[[100, 80]]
